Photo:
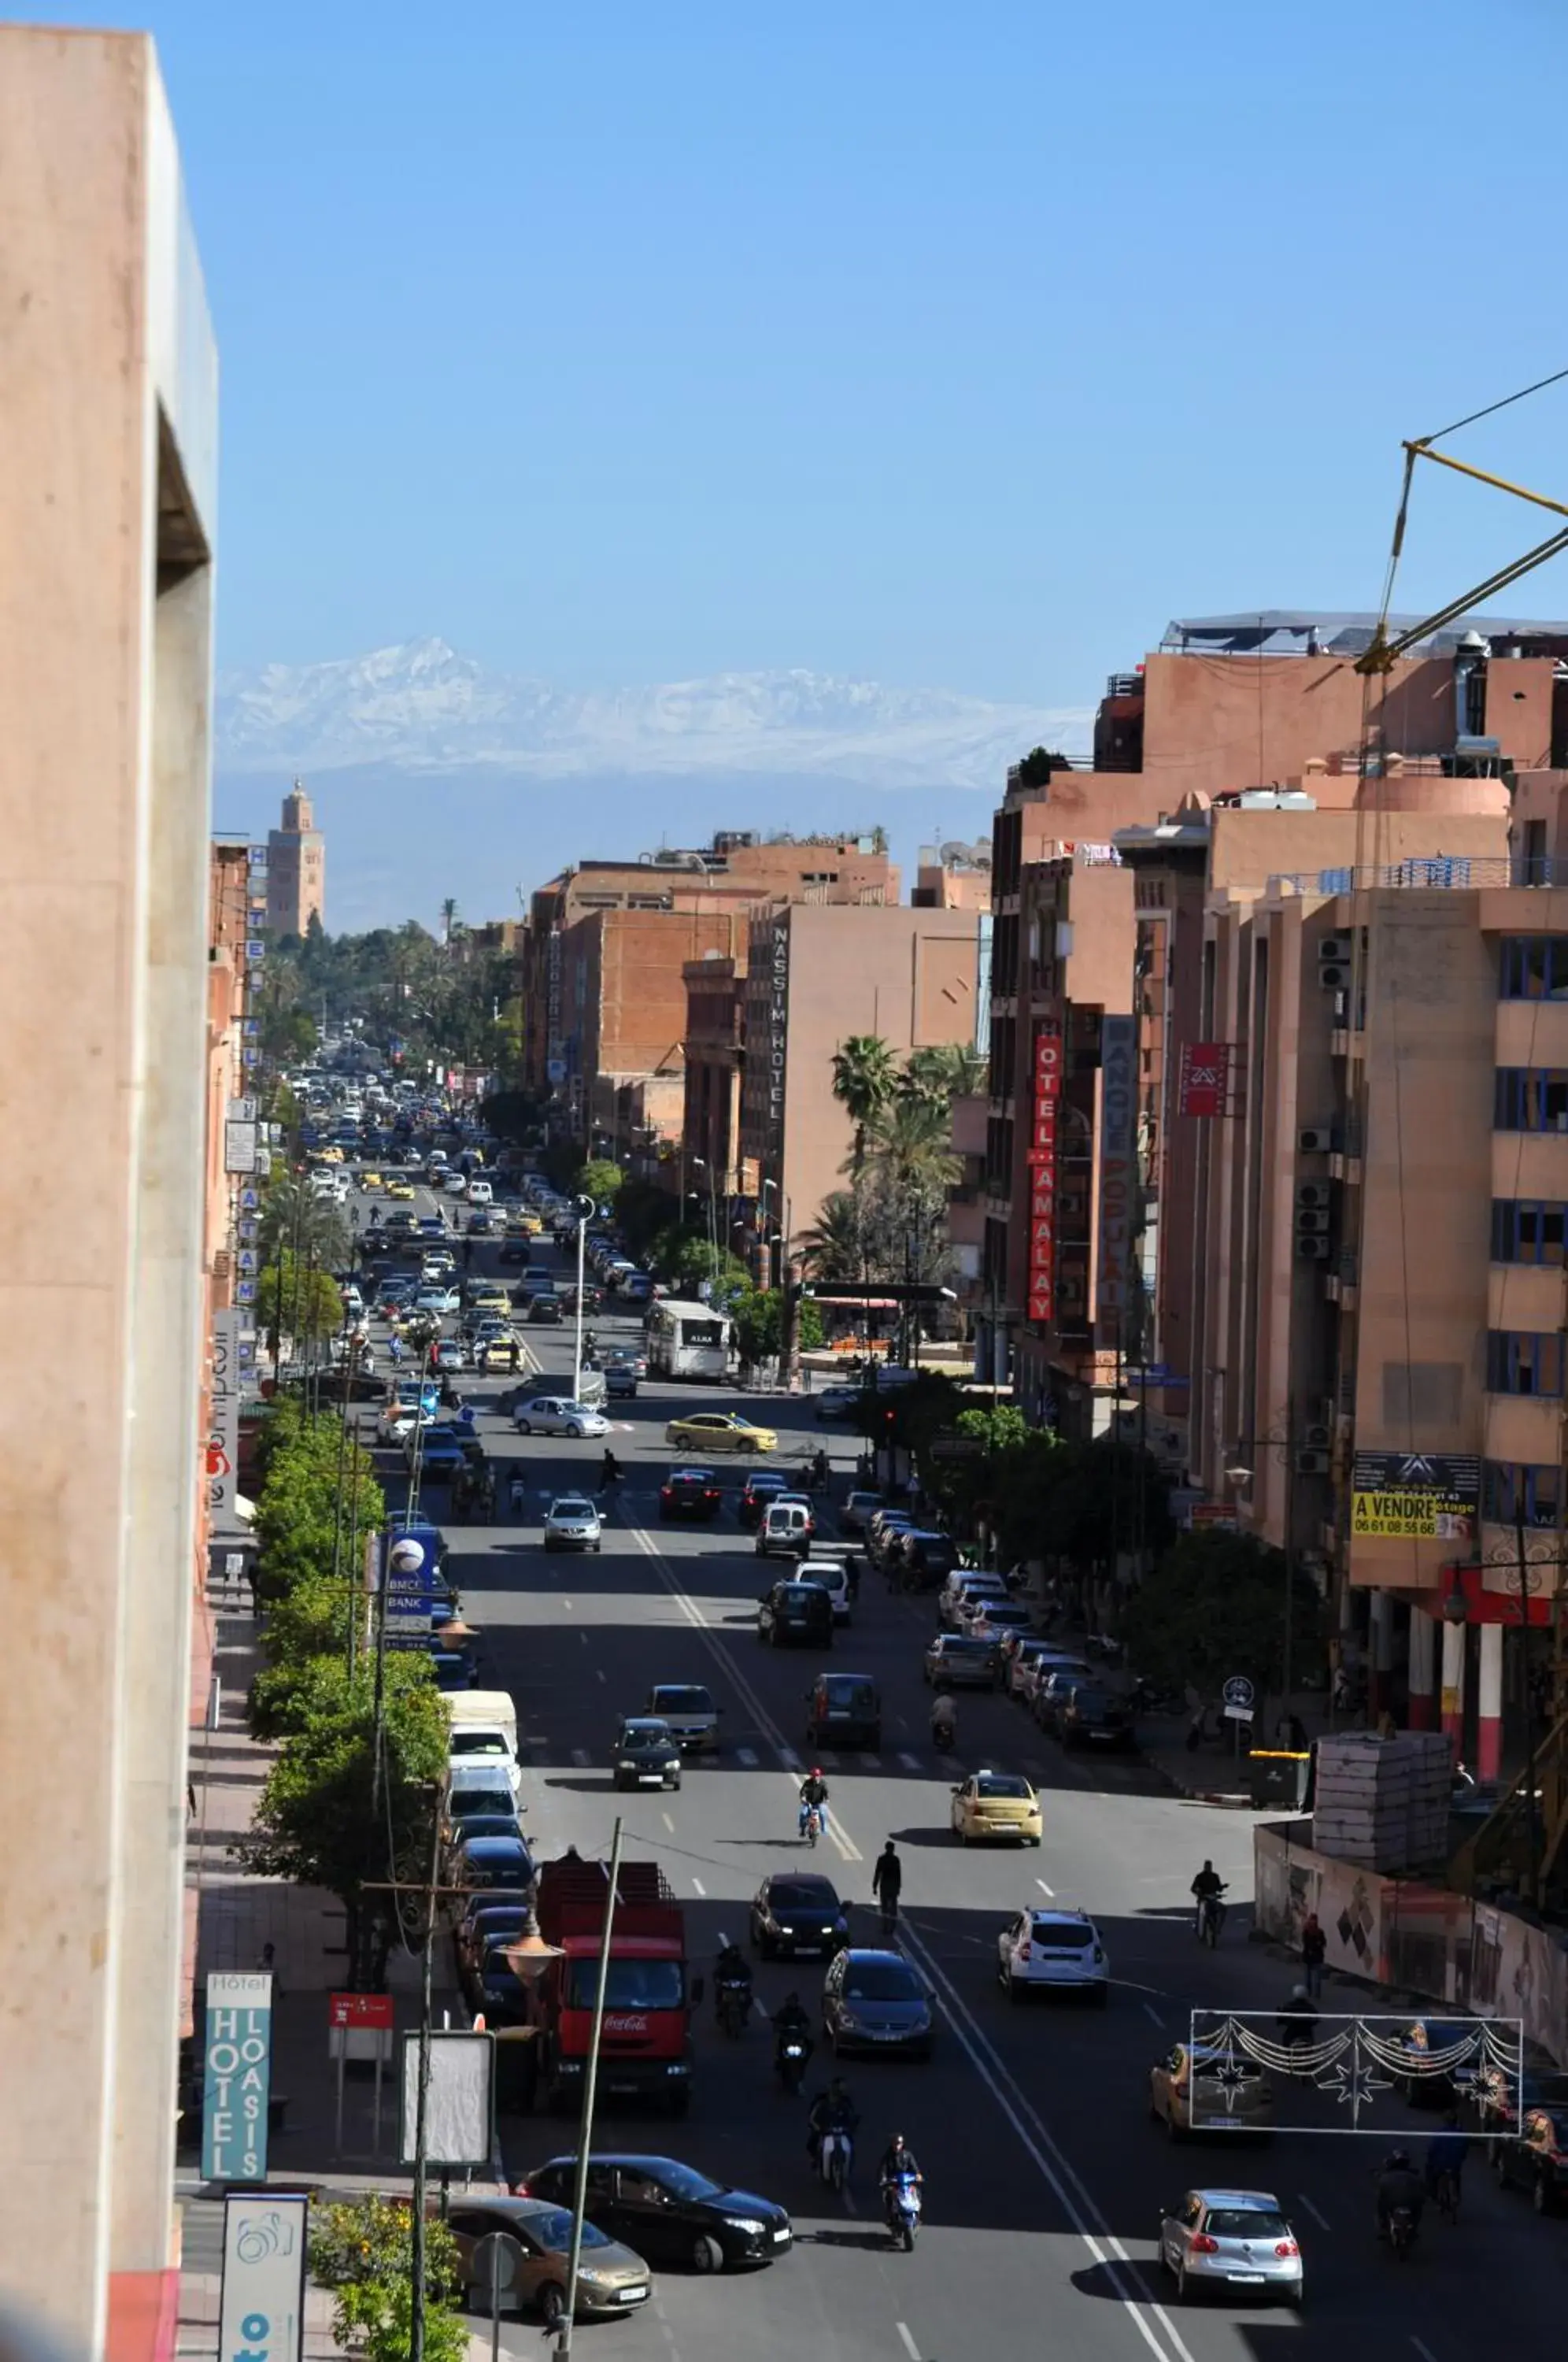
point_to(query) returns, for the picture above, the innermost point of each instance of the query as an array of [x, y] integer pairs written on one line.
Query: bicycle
[[1445, 2194]]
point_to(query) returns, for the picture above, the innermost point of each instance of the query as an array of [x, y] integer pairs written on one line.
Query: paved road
[[1044, 2173]]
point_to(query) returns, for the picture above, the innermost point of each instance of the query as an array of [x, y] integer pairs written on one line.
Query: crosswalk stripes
[[909, 1762], [746, 1755], [829, 1760], [579, 1757], [871, 1763], [791, 1761]]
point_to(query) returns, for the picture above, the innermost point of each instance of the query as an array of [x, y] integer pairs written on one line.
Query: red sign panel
[[1042, 1176], [361, 2009], [1205, 1077]]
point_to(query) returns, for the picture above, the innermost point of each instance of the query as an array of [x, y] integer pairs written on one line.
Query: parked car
[[875, 2001], [1092, 1716], [1051, 1694], [1537, 2159], [646, 1753], [1052, 1950], [795, 1615], [611, 2278], [953, 1663], [843, 1710], [667, 2210], [959, 1589], [925, 1558], [501, 1862], [858, 1507], [1231, 2239], [1206, 2089], [796, 1916]]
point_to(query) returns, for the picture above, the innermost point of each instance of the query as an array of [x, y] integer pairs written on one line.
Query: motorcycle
[[732, 2002], [811, 1823], [834, 2157], [790, 2058], [1210, 1919], [901, 2210], [944, 1737]]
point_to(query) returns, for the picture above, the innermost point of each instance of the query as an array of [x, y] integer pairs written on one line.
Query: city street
[[1044, 2171]]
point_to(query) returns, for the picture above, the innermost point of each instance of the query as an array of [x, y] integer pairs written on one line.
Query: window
[[1523, 1362], [1528, 1230], [1532, 1099], [1510, 1491], [1534, 968]]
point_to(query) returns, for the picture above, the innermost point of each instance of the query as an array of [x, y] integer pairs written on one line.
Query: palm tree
[[911, 1149], [295, 1218], [946, 1072], [448, 918], [864, 1080], [832, 1248]]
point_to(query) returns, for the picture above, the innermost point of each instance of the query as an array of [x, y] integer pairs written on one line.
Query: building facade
[[107, 516], [296, 868]]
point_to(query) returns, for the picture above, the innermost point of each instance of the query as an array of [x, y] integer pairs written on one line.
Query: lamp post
[[1241, 1475], [583, 1210]]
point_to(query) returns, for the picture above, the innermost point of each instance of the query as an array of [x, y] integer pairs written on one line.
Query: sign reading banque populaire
[[1415, 1495]]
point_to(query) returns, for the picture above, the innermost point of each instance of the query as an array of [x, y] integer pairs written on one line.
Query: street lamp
[[583, 1210], [1238, 1476]]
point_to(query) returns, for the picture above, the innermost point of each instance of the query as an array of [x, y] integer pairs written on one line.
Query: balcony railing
[[1459, 873]]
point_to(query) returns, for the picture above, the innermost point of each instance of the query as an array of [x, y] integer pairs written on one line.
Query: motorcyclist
[[833, 2110], [1298, 2018], [1208, 1887], [1446, 2153], [732, 1972], [1399, 2184], [943, 1719], [897, 2158], [814, 1797], [790, 2021]]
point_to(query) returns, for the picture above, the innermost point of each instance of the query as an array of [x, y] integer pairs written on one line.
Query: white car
[[456, 1185], [399, 1421], [829, 1573], [438, 1299], [571, 1522], [557, 1415], [1057, 1949], [480, 1193]]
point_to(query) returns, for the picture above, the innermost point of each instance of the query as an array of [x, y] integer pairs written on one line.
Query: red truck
[[645, 2046]]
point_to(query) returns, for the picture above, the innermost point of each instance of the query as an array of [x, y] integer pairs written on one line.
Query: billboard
[[223, 1434], [1205, 1077], [262, 2308], [1117, 1063], [1416, 1495]]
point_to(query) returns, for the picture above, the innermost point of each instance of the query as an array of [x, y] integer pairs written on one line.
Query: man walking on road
[[886, 1882]]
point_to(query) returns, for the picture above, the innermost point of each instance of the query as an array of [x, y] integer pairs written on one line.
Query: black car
[[795, 1615], [796, 1916], [843, 1710], [620, 1381], [667, 2211], [874, 2000], [544, 1312], [499, 1990], [1093, 1718], [487, 1825], [924, 1558], [764, 1486], [648, 1753], [689, 1493], [1496, 2091]]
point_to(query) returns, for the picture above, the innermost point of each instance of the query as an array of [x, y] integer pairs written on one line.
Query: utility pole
[[416, 2242], [590, 2087]]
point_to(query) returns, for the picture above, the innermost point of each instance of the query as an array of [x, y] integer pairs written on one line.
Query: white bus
[[688, 1341]]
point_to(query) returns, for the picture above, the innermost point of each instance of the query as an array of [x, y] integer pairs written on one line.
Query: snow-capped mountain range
[[423, 707]]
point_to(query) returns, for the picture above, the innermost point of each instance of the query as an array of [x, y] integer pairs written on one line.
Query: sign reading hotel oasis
[[778, 1027]]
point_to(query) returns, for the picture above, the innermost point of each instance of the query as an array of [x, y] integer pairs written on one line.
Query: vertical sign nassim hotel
[[1042, 1175]]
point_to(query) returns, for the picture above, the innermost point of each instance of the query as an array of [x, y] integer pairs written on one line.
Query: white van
[[785, 1530], [829, 1573], [480, 1193], [961, 1586], [487, 1711]]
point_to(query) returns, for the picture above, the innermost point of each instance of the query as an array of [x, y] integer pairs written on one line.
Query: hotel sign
[[1042, 1175], [1118, 1053], [778, 1027]]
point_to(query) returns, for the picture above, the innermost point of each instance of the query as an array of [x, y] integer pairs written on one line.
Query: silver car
[[571, 1522], [559, 1415], [1231, 2239]]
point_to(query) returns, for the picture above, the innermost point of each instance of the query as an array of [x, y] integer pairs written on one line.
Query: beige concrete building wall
[[107, 515]]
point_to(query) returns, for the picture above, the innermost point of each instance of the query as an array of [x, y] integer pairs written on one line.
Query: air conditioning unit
[[1317, 1437], [1311, 1463], [1337, 948], [1314, 1194], [1313, 1250], [1310, 1221], [1334, 975], [1314, 1140]]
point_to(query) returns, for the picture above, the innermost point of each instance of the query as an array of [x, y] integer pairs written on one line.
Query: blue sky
[[948, 346]]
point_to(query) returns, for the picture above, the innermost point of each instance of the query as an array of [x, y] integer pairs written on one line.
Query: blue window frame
[[1528, 1230], [1532, 1099], [1506, 1488], [1524, 1362], [1534, 968]]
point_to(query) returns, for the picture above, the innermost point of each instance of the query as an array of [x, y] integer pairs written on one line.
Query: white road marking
[[602, 1675], [1320, 2219], [909, 1762], [746, 1755], [669, 1824], [1150, 2011], [911, 2348], [698, 1888], [1424, 2351], [579, 1755], [828, 1760], [1050, 1891], [871, 1762]]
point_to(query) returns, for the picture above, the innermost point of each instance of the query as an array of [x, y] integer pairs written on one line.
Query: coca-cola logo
[[626, 2026]]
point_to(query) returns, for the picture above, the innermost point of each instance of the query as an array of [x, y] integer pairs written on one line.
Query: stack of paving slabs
[[1383, 1802]]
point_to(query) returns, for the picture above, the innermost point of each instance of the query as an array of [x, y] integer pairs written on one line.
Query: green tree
[[865, 1077], [297, 1301], [1215, 1606], [303, 1223], [600, 1179], [758, 1316], [833, 1248], [362, 2250]]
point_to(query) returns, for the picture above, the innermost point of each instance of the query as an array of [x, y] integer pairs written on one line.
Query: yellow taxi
[[996, 1805], [403, 1189], [490, 1299], [1210, 2088], [371, 1182], [521, 1224], [333, 1155], [720, 1431]]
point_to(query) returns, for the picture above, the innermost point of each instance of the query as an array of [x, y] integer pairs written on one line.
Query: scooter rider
[[1399, 2184], [814, 1797], [943, 1720], [1446, 2153], [790, 2021], [1208, 1887], [732, 1972], [897, 2158], [833, 2110]]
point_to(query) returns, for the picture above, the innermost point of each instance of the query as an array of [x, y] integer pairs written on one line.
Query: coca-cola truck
[[646, 2043]]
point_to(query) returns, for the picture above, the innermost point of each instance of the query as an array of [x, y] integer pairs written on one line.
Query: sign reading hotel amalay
[[1118, 1049], [1042, 1173], [778, 1026]]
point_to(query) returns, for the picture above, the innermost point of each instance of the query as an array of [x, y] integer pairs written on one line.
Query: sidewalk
[[238, 1913]]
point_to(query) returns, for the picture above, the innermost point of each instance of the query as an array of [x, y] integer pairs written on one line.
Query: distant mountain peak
[[422, 706]]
